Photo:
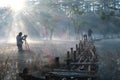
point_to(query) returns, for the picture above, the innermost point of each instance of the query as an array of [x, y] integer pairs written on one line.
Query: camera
[[24, 37]]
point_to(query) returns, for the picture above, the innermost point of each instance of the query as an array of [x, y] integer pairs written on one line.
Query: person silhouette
[[90, 38], [19, 39]]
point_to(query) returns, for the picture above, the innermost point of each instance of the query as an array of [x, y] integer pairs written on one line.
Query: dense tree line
[[72, 10], [70, 17]]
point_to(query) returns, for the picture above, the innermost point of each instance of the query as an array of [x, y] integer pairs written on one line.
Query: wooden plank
[[73, 74], [85, 63], [77, 71]]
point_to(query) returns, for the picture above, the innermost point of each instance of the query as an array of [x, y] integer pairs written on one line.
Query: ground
[[43, 53]]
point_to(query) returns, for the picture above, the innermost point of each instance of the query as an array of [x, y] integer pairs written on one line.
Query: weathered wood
[[85, 63], [72, 53], [68, 55], [74, 56], [74, 74], [81, 63], [57, 62], [77, 49], [77, 71]]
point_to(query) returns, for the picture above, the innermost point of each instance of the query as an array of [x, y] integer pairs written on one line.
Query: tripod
[[27, 45]]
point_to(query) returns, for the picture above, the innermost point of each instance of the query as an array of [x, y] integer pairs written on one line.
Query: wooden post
[[68, 60], [89, 69], [68, 55], [72, 53], [80, 47], [57, 62], [77, 49], [74, 56]]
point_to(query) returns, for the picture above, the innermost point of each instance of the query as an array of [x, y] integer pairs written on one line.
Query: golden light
[[15, 5]]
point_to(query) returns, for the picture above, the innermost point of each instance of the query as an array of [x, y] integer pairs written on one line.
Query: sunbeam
[[15, 5], [16, 27]]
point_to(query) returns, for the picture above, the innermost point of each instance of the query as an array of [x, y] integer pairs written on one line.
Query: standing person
[[20, 39], [90, 38], [85, 39]]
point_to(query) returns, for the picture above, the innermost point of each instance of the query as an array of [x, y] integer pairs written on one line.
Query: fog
[[109, 62], [53, 27], [46, 20]]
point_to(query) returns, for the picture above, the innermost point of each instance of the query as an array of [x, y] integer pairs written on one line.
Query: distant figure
[[90, 38], [20, 39], [85, 39], [26, 76]]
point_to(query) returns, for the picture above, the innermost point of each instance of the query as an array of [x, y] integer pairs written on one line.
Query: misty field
[[42, 54], [109, 59]]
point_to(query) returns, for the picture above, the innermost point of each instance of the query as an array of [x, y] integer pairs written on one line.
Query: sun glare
[[15, 5]]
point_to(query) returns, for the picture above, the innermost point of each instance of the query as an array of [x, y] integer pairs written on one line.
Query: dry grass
[[39, 60], [41, 57]]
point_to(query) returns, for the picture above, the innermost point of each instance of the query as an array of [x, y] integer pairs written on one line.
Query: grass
[[40, 59]]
